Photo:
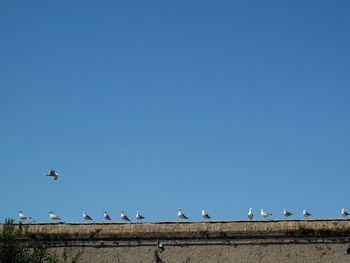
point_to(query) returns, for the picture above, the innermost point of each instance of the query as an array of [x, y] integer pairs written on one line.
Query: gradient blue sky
[[155, 105]]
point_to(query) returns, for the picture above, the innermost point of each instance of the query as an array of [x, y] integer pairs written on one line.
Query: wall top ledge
[[239, 229], [192, 222]]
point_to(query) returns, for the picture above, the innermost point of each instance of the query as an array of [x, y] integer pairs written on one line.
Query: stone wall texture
[[316, 240]]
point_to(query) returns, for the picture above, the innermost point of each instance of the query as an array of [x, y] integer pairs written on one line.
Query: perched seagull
[[180, 214], [54, 216], [344, 213], [106, 216], [22, 216], [264, 214], [139, 216], [205, 215], [124, 217], [53, 174], [287, 213], [86, 216], [250, 213], [306, 213]]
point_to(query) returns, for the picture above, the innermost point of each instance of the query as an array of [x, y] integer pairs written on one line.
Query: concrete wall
[[326, 240]]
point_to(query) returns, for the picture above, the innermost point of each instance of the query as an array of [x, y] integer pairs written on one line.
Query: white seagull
[[53, 216], [124, 217], [22, 216], [250, 213], [53, 174], [287, 213], [180, 214], [86, 216], [344, 213], [139, 216], [264, 214], [306, 213], [106, 216], [205, 215]]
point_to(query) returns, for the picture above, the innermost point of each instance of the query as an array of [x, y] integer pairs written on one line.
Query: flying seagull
[[22, 216], [139, 216], [53, 216], [53, 174], [124, 217], [106, 216], [250, 213], [287, 213], [344, 213], [264, 214], [86, 216], [180, 214], [306, 213], [205, 215]]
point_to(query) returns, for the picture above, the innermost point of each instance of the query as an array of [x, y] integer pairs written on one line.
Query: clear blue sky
[[155, 105]]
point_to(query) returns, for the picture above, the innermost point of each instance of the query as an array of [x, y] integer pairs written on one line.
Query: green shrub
[[16, 247]]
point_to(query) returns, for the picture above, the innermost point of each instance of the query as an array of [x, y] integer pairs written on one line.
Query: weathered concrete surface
[[318, 240]]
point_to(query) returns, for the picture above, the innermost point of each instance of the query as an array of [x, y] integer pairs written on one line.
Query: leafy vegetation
[[16, 247]]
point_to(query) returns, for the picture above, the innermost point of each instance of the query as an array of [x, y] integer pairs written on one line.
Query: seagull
[[287, 213], [160, 246], [264, 214], [250, 213], [106, 216], [306, 213], [86, 216], [205, 215], [54, 216], [22, 216], [180, 214], [139, 216], [53, 174], [124, 217], [344, 213]]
